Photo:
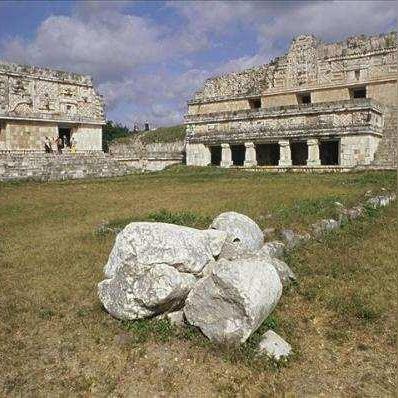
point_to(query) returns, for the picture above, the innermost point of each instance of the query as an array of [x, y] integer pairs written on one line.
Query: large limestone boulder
[[160, 289], [143, 244], [234, 299], [243, 234], [153, 266]]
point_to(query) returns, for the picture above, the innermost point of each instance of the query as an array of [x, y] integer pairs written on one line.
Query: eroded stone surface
[[273, 249], [143, 244], [153, 266], [231, 303], [243, 234]]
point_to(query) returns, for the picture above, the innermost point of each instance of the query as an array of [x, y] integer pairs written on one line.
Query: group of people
[[56, 144]]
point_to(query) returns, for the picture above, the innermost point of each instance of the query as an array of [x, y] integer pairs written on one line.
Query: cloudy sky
[[148, 57]]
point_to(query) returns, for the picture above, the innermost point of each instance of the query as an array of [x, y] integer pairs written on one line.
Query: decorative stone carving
[[31, 92]]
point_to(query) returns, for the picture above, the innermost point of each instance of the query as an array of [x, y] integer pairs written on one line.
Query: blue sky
[[148, 57]]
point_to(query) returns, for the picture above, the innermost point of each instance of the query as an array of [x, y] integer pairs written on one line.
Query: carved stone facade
[[318, 105], [36, 103]]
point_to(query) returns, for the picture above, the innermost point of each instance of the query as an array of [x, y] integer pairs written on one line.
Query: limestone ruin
[[37, 102], [320, 105]]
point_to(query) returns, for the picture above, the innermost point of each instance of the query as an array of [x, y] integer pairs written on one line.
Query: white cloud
[[104, 47]]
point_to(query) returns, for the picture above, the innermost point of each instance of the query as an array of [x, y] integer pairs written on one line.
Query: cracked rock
[[231, 302]]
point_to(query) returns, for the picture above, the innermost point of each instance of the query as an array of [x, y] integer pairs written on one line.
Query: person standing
[[73, 144], [47, 145], [58, 142]]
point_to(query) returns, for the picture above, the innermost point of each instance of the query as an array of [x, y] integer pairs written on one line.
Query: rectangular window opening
[[304, 98], [358, 92], [255, 103]]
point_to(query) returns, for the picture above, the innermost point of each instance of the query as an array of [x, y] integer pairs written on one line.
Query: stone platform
[[49, 167]]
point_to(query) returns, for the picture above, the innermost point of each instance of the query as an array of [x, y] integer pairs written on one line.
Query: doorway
[[238, 154], [329, 153], [267, 154], [215, 152], [299, 153], [65, 135]]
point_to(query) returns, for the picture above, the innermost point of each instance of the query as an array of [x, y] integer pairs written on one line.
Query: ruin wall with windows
[[313, 91]]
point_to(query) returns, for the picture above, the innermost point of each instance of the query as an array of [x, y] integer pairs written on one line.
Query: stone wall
[[48, 167], [36, 102], [152, 157], [22, 135], [310, 64], [342, 117]]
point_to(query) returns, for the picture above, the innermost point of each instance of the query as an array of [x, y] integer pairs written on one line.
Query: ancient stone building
[[36, 102], [318, 105]]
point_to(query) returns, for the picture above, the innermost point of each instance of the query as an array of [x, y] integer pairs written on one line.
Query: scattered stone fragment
[[233, 301], [323, 226], [243, 234], [274, 346], [293, 239], [381, 200], [352, 213], [268, 232], [273, 249], [176, 318]]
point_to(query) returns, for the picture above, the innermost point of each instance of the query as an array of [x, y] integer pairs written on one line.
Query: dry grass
[[55, 339]]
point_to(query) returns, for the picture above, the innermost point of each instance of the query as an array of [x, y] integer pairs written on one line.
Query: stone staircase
[[386, 154], [48, 167]]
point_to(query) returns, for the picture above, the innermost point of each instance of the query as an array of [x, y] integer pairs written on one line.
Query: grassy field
[[55, 339]]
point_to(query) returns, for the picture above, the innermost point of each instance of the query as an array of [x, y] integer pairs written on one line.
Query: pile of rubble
[[224, 280]]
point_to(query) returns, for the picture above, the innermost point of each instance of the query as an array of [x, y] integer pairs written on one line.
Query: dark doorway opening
[[299, 153], [215, 152], [255, 103], [238, 154], [329, 153], [65, 135], [358, 92], [267, 154], [304, 98]]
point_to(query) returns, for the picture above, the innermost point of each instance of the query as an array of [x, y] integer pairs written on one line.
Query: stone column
[[226, 156], [285, 156], [250, 155], [313, 153]]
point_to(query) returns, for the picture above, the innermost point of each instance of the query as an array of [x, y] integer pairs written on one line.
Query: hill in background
[[115, 132]]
